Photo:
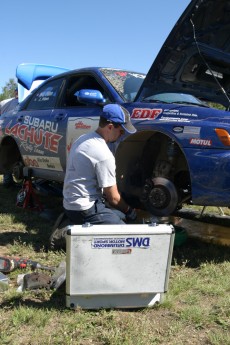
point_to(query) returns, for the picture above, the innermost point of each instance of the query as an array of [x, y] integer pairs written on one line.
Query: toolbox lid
[[119, 229]]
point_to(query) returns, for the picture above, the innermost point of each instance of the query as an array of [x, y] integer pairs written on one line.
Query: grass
[[195, 310]]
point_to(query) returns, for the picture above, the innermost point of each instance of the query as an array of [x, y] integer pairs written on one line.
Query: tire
[[18, 172]]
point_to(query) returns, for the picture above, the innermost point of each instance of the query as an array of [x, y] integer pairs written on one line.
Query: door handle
[[60, 117], [20, 118]]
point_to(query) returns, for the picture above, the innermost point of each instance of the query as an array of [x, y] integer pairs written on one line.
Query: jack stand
[[27, 198], [219, 208]]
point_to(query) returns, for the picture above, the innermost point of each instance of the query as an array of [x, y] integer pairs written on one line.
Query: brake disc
[[161, 197]]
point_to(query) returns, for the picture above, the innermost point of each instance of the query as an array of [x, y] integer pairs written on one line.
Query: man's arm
[[114, 198]]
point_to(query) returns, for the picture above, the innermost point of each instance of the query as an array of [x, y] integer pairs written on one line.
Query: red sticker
[[146, 113]]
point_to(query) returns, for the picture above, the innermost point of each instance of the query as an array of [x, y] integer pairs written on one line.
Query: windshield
[[125, 83], [170, 97]]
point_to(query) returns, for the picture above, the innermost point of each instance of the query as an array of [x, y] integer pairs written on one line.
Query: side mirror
[[89, 96]]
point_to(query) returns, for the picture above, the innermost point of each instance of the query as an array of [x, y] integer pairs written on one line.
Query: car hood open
[[195, 57]]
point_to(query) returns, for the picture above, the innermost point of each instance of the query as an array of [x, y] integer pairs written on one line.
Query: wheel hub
[[159, 197]]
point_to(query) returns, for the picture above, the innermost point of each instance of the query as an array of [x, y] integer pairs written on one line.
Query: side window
[[78, 83], [46, 96]]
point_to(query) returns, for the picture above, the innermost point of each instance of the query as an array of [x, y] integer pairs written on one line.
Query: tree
[[8, 89]]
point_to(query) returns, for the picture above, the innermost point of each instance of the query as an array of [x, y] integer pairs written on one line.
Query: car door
[[74, 118], [39, 132]]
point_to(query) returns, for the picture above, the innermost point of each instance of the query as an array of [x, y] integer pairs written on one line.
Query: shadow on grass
[[27, 226], [194, 253], [57, 301], [35, 299]]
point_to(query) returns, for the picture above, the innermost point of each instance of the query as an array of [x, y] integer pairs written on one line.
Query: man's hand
[[114, 199], [131, 214]]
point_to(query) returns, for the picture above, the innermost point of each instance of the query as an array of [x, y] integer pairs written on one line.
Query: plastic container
[[180, 236]]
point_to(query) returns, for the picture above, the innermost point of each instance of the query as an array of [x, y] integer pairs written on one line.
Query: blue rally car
[[180, 153]]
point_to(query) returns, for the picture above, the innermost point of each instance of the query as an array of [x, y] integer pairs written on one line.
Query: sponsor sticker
[[76, 127], [178, 129], [201, 142], [174, 119], [120, 242], [35, 133], [191, 130], [145, 113], [178, 112], [51, 163], [82, 125], [121, 251]]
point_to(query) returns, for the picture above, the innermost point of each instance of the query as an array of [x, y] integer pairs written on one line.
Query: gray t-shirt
[[90, 167]]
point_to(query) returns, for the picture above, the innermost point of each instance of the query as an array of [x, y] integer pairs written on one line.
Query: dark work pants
[[97, 214]]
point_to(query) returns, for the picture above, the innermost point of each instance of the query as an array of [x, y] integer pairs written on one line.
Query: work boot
[[57, 239], [8, 180]]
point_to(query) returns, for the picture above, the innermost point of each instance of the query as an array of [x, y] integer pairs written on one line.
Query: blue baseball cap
[[118, 114]]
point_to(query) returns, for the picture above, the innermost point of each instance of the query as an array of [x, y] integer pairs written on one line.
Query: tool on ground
[[4, 282], [35, 280], [8, 264]]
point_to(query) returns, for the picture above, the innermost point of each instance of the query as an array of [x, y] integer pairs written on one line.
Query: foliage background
[[8, 90]]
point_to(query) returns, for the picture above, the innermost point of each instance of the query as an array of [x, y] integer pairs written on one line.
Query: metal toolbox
[[117, 266]]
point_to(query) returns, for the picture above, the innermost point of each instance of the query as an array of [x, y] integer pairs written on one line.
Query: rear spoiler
[[30, 75]]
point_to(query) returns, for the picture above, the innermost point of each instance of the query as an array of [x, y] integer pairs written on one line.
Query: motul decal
[[35, 136], [145, 113], [201, 142]]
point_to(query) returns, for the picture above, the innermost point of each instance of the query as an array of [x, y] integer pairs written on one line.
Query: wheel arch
[[10, 155], [137, 158]]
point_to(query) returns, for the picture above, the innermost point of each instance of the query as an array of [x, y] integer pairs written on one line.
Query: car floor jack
[[27, 198]]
